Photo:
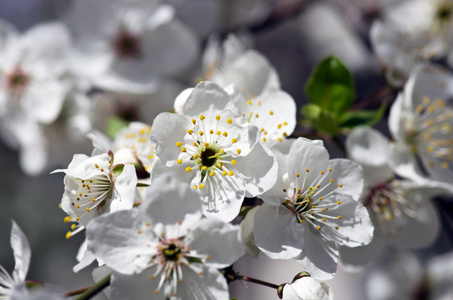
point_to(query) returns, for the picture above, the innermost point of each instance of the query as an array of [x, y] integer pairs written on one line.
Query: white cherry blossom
[[412, 31], [94, 186], [164, 249], [421, 122], [215, 150], [312, 209], [400, 209], [128, 46]]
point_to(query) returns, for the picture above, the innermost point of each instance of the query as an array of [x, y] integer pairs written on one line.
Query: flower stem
[[93, 290], [257, 281]]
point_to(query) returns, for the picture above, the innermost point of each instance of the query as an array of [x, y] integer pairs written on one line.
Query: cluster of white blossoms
[[184, 160]]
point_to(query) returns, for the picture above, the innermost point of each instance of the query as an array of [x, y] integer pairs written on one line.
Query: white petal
[[349, 175], [248, 238], [22, 253], [221, 241], [162, 125], [277, 232], [212, 285], [169, 201], [206, 96], [367, 146], [308, 288], [135, 287], [113, 238], [319, 257], [275, 195], [258, 169], [124, 194]]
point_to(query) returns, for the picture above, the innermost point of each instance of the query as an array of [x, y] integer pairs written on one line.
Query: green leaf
[[362, 117], [115, 124], [331, 86], [323, 121]]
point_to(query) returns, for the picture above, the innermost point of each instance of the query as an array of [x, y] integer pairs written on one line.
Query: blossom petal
[[125, 185], [112, 238], [258, 169], [219, 240], [22, 253], [319, 257], [169, 202], [206, 96], [277, 232], [211, 285], [349, 175]]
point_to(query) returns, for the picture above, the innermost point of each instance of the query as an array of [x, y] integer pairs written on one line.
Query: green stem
[[96, 288]]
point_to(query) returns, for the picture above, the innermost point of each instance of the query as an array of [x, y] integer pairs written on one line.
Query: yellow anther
[[285, 123], [318, 186], [150, 156], [179, 161], [190, 131], [231, 173], [77, 219], [201, 133], [234, 141], [68, 234], [301, 221], [202, 117], [279, 126], [233, 162], [220, 165], [313, 206], [340, 185], [339, 217], [188, 169], [201, 186], [217, 117], [212, 173], [204, 168], [331, 180], [319, 228], [444, 165], [224, 173], [279, 139], [264, 139], [249, 102], [271, 112], [73, 226], [206, 144], [256, 116], [238, 151], [156, 292], [102, 170], [298, 195], [211, 131], [225, 134], [285, 134], [195, 144], [219, 132], [196, 156], [194, 121], [330, 170], [229, 121], [139, 231], [297, 175], [67, 219], [93, 199], [88, 210], [195, 187], [96, 165], [336, 227], [222, 151], [338, 202], [324, 219], [320, 198], [179, 144], [307, 170]]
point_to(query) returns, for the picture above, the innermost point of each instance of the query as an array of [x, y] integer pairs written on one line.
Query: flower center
[[126, 44], [209, 156], [310, 202], [388, 204], [17, 81], [431, 134], [172, 252]]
